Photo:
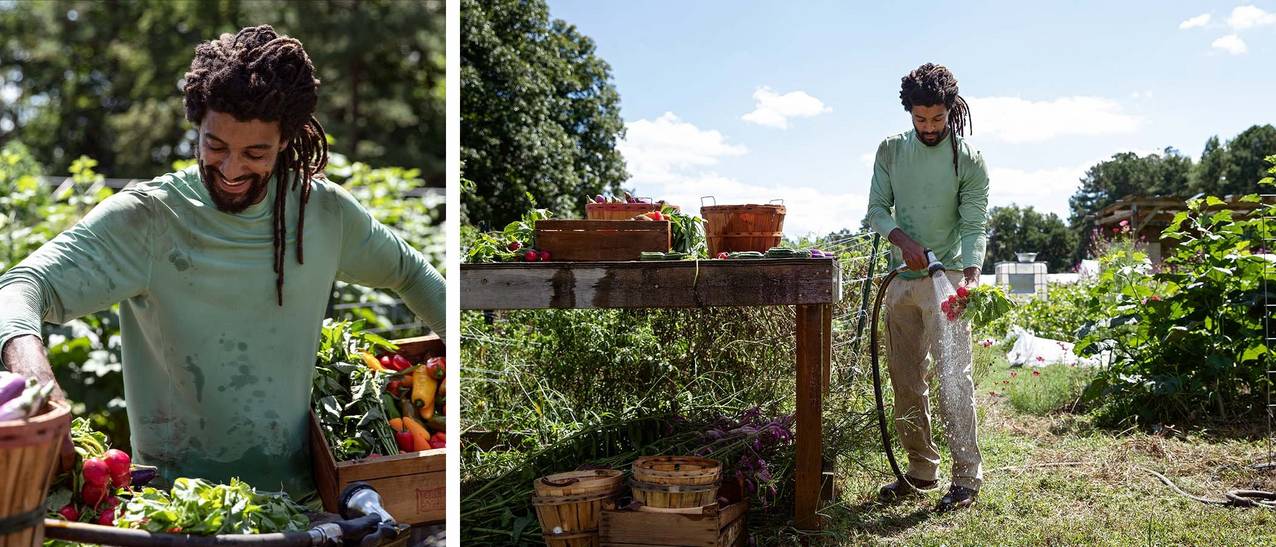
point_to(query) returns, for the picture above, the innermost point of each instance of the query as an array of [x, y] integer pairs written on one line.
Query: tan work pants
[[915, 328]]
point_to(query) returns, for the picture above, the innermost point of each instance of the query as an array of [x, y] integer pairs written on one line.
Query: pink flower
[[1036, 373], [1041, 359]]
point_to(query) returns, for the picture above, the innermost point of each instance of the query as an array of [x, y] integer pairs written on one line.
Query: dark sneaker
[[897, 489], [958, 497]]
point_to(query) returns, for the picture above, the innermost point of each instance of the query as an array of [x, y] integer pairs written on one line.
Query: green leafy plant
[[347, 394], [195, 506], [505, 245], [1187, 342], [686, 231], [981, 305]]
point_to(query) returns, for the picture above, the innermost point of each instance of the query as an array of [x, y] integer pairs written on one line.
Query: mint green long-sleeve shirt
[[942, 211], [217, 375]]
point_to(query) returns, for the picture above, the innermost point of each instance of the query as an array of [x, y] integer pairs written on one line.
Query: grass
[[1052, 478]]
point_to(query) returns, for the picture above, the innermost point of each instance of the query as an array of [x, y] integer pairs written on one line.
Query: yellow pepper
[[423, 389], [372, 362]]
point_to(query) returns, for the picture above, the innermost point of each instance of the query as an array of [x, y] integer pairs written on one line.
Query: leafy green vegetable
[[88, 443], [495, 246], [986, 304], [195, 506], [347, 395], [686, 232]]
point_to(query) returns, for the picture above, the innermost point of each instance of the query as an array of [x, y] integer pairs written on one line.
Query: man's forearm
[[26, 355], [899, 238]]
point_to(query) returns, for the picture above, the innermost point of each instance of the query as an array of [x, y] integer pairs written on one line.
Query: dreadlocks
[[258, 74], [932, 84]]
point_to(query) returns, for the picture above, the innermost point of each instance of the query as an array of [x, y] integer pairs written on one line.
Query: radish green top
[[942, 211], [217, 375]]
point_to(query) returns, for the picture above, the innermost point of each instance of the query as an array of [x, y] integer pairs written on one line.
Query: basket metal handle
[[781, 200], [559, 484]]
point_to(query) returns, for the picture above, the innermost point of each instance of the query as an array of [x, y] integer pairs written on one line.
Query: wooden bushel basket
[[570, 504], [730, 228], [674, 496], [621, 211], [28, 459], [676, 481], [412, 486]]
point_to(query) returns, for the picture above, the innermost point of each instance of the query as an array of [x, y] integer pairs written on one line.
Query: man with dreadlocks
[[937, 185], [223, 273]]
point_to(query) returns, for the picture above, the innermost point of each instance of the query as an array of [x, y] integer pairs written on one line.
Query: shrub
[[1189, 343]]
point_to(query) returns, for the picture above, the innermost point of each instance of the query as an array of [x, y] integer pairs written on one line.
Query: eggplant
[[11, 386], [28, 404], [143, 474]]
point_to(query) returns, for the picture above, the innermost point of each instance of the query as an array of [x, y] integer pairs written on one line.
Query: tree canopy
[[540, 115], [103, 79], [1015, 229]]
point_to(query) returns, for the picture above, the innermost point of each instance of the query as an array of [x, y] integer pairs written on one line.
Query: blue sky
[[757, 100]]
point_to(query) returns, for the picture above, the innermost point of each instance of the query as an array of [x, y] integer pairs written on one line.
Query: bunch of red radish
[[955, 304], [102, 478], [528, 254]]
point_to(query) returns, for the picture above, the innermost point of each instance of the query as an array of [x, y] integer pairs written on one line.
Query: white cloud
[[656, 149], [1250, 16], [868, 159], [1198, 21], [774, 110], [1231, 44], [1046, 189], [810, 210], [1016, 120], [672, 160]]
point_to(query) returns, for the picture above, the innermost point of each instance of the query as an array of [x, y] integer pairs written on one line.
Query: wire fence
[[1269, 246]]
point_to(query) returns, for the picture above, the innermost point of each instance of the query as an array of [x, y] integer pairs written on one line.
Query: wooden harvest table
[[812, 285]]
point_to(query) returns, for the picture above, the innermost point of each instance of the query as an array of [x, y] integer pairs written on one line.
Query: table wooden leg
[[813, 343], [827, 365]]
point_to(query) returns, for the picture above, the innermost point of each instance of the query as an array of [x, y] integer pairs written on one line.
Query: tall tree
[[1235, 167], [103, 78], [1125, 174], [1017, 229], [540, 113]]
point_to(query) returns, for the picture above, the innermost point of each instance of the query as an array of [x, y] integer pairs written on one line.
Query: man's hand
[[914, 254], [970, 277], [25, 355]]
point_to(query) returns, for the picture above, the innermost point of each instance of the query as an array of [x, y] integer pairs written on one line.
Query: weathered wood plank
[[649, 284], [812, 337]]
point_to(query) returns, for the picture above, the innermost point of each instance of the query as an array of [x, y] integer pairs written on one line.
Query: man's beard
[[233, 203], [932, 139]]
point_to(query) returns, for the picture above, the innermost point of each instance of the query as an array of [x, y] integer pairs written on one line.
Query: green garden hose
[[934, 267], [877, 379]]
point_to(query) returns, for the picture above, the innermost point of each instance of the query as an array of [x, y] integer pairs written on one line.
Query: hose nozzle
[[935, 265]]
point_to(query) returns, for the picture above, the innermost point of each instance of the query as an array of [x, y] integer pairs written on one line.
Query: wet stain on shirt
[[179, 260], [245, 378], [198, 376]]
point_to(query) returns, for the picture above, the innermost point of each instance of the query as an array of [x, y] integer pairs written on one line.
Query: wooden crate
[[587, 240], [712, 527], [412, 486], [708, 526]]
